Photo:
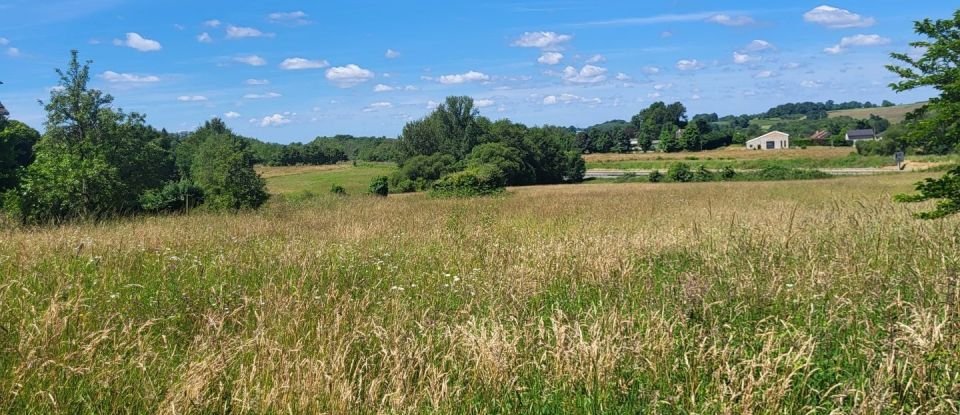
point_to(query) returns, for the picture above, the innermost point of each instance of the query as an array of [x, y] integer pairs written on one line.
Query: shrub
[[380, 186], [223, 168], [576, 167], [405, 186], [775, 173], [338, 190], [424, 170], [507, 159], [703, 174], [728, 173], [885, 147], [680, 172], [655, 176], [945, 189], [173, 197], [476, 181]]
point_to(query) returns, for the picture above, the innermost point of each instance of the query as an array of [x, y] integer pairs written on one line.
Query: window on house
[[771, 145]]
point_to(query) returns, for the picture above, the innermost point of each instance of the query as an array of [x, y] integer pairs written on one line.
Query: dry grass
[[730, 153], [895, 114], [788, 297]]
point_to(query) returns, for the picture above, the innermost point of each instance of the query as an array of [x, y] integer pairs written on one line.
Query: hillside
[[895, 114]]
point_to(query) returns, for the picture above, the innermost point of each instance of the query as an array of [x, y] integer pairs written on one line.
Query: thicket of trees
[[818, 110], [95, 161], [455, 139]]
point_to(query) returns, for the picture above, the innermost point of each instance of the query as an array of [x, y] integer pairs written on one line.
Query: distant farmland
[[894, 114]]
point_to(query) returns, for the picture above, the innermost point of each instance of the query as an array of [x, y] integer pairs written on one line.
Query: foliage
[[680, 172], [946, 190], [728, 173], [652, 121], [508, 160], [776, 173], [477, 180], [669, 143], [702, 174], [316, 153], [813, 110], [418, 172], [380, 186], [177, 196], [884, 147], [338, 190], [16, 151], [935, 127], [223, 168], [655, 176]]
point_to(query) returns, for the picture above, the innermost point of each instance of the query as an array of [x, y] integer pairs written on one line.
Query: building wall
[[779, 142]]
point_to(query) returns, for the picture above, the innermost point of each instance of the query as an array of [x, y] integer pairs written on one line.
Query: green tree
[[223, 168], [380, 186], [935, 127], [16, 151], [507, 159], [680, 172], [669, 143], [945, 190], [691, 139]]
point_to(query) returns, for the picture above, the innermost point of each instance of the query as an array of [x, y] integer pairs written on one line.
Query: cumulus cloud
[[765, 74], [484, 103], [204, 38], [734, 21], [597, 59], [550, 58], [135, 41], [391, 54], [623, 77], [759, 46], [377, 106], [231, 114], [252, 60], [191, 98], [689, 64], [4, 41], [212, 23], [239, 32], [383, 88], [294, 64], [13, 52], [541, 40], [837, 18], [569, 99], [257, 82], [589, 74], [268, 95], [349, 76], [274, 120], [857, 41], [471, 76], [651, 70], [114, 77], [811, 84], [742, 58], [297, 18]]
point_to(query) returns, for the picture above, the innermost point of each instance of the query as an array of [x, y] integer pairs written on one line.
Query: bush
[[223, 168], [655, 176], [946, 190], [680, 172], [775, 173], [885, 147], [476, 181], [703, 175], [380, 186], [507, 159], [338, 190], [172, 197], [423, 170], [728, 173], [576, 167]]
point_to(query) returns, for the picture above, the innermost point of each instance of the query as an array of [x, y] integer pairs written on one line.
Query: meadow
[[785, 297], [896, 114]]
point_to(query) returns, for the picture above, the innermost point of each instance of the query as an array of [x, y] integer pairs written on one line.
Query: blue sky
[[291, 70]]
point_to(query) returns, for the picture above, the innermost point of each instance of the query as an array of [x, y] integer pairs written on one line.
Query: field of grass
[[787, 297], [317, 180], [894, 114], [741, 159]]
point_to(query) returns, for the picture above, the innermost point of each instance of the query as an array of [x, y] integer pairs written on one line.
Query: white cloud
[[471, 76], [569, 99], [742, 58], [114, 77], [811, 84], [695, 97], [274, 120], [651, 70], [542, 40], [13, 52], [212, 23], [391, 54], [293, 64], [268, 95], [349, 76], [654, 95], [790, 65], [252, 60], [661, 87], [239, 32], [837, 18], [484, 103], [135, 41], [589, 74], [231, 114], [759, 46], [257, 82], [597, 59], [4, 41], [727, 20], [432, 105], [191, 98], [550, 58], [383, 88], [204, 38], [689, 64], [857, 41], [765, 74], [297, 18], [666, 34], [623, 77], [377, 106]]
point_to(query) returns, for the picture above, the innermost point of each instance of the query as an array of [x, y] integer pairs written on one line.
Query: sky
[[286, 71]]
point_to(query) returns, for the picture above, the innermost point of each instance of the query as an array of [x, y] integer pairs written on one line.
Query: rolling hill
[[895, 114]]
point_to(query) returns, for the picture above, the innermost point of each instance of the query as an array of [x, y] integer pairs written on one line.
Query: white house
[[862, 135], [774, 140]]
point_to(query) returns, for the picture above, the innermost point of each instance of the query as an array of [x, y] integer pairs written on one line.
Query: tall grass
[[787, 297]]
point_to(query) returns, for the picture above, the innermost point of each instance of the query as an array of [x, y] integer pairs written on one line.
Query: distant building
[[862, 135], [774, 140], [820, 135]]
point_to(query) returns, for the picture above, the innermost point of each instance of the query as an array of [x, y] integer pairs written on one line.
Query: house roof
[[853, 134], [770, 135]]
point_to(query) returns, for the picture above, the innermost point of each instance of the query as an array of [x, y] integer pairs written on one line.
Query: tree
[[946, 190], [669, 143], [651, 122], [935, 127], [223, 168], [16, 151], [380, 186], [507, 159], [691, 139]]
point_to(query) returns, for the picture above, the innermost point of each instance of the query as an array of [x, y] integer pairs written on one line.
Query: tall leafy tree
[[669, 143], [935, 127], [16, 151], [223, 168]]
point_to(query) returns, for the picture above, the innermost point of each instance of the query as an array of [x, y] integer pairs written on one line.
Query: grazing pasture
[[785, 297]]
